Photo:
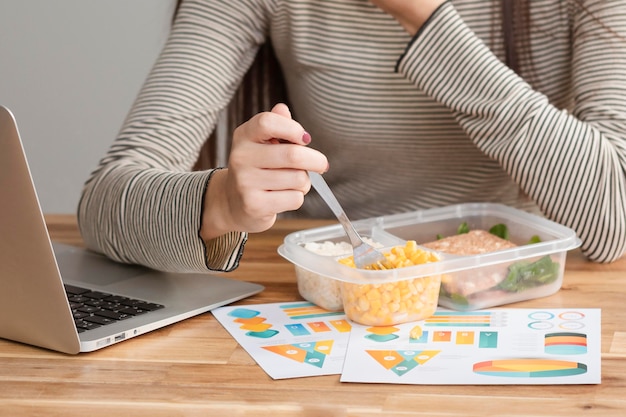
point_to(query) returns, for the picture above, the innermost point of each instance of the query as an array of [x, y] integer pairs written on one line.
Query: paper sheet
[[289, 340], [498, 346]]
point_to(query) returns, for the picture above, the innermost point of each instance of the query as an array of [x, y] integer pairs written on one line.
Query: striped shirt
[[406, 123]]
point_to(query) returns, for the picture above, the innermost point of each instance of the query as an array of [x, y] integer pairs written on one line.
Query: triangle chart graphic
[[312, 353], [402, 361]]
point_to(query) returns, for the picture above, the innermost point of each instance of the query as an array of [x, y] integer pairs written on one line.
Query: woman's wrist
[[423, 11], [410, 14], [214, 222]]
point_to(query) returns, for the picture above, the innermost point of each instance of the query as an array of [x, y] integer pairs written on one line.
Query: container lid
[[423, 226]]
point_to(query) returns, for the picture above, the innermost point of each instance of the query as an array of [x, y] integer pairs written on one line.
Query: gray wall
[[69, 71]]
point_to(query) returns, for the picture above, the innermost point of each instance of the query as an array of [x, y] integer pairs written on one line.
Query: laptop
[[70, 299]]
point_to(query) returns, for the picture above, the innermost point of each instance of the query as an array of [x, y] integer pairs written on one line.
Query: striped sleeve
[[143, 204], [571, 163]]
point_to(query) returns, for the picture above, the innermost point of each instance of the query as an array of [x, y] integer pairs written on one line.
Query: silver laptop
[[69, 299]]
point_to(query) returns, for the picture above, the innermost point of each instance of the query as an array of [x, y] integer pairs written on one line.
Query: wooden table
[[195, 368]]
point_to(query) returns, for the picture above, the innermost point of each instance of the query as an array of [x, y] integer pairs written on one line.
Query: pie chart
[[529, 368]]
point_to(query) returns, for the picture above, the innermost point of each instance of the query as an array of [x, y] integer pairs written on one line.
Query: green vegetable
[[463, 228], [439, 236], [500, 230], [524, 275], [457, 299], [534, 239]]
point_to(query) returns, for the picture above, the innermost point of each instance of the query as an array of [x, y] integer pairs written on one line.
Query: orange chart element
[[566, 343], [383, 329], [529, 368]]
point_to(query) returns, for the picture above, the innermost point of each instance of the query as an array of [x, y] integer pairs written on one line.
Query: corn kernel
[[416, 332]]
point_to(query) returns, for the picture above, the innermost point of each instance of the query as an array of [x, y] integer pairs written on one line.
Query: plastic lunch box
[[471, 282]]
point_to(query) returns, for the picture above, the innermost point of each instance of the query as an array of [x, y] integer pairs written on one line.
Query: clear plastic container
[[468, 282]]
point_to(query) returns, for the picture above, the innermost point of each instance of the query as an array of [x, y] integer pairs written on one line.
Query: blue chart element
[[381, 337], [313, 356], [407, 364], [404, 366], [265, 334], [541, 315], [297, 329], [566, 350], [402, 361], [243, 313], [488, 340]]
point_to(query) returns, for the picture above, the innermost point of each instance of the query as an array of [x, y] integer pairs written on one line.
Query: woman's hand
[[266, 175], [411, 14]]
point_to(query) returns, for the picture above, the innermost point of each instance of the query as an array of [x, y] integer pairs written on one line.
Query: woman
[[409, 105]]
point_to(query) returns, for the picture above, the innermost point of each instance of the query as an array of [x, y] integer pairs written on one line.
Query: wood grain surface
[[195, 368]]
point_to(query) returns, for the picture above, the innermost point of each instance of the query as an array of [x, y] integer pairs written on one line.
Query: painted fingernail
[[306, 138]]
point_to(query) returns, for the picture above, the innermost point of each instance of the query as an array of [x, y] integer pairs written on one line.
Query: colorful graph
[[251, 321], [382, 333], [307, 311], [312, 353], [565, 343], [529, 368], [402, 361], [308, 328], [460, 319]]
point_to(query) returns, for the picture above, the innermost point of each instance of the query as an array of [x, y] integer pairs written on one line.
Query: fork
[[364, 254]]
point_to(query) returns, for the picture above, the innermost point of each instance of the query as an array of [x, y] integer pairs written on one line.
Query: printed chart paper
[[487, 347], [289, 340], [500, 346]]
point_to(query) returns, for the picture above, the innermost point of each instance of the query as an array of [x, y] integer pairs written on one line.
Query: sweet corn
[[398, 257], [395, 302]]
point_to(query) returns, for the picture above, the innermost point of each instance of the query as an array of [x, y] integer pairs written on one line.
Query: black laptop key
[[116, 299], [133, 311], [85, 325], [147, 306], [99, 320], [96, 294], [131, 302], [78, 299], [113, 314], [74, 290], [105, 305], [143, 305], [88, 309], [96, 303]]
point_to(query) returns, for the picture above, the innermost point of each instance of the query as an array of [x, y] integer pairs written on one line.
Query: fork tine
[[364, 253]]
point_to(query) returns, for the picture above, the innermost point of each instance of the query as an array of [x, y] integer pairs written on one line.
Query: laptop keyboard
[[92, 309]]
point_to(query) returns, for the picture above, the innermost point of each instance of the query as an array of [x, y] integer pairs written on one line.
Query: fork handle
[[322, 188]]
